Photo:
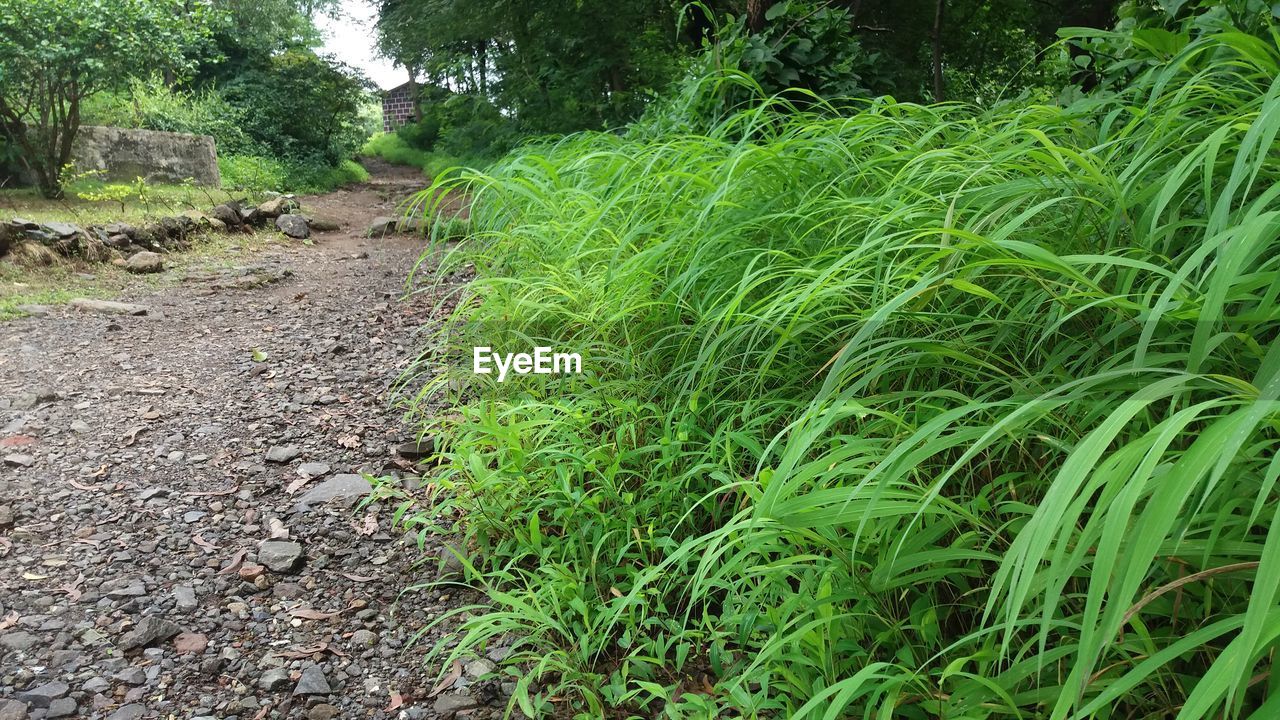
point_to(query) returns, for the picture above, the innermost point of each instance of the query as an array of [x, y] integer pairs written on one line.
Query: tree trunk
[[938, 95], [755, 14]]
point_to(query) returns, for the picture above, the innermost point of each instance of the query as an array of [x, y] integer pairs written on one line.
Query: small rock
[[479, 668], [274, 679], [417, 450], [41, 696], [109, 307], [275, 207], [19, 460], [184, 597], [280, 556], [19, 640], [13, 710], [283, 454], [454, 703], [190, 643], [132, 676], [251, 571], [144, 262], [62, 707], [128, 712], [338, 487], [34, 310], [312, 682], [313, 469], [226, 214], [323, 711], [149, 631], [323, 223], [364, 638], [295, 226]]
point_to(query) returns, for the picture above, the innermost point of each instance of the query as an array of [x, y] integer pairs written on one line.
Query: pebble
[[312, 682], [281, 556], [279, 454]]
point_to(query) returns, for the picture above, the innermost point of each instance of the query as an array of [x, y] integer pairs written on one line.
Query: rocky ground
[[181, 527]]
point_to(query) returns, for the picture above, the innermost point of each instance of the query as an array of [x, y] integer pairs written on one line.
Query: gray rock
[[128, 712], [124, 588], [418, 449], [313, 469], [479, 668], [184, 597], [109, 307], [283, 454], [364, 638], [19, 460], [274, 679], [145, 262], [454, 703], [323, 711], [339, 487], [62, 707], [35, 310], [295, 226], [312, 682], [382, 225], [19, 640], [41, 696], [95, 684], [13, 710], [227, 214], [6, 515], [323, 223], [280, 556], [61, 229], [132, 676], [275, 207], [149, 631]]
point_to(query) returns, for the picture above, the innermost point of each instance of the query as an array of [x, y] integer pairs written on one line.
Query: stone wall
[[125, 154]]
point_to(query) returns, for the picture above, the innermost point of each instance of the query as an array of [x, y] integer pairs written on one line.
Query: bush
[[256, 174], [152, 105], [923, 412]]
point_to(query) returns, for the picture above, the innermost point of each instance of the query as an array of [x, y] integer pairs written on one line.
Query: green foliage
[[923, 412], [302, 105], [152, 105], [256, 174], [53, 55], [393, 148]]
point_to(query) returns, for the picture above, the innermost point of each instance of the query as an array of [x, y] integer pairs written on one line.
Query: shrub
[[923, 412]]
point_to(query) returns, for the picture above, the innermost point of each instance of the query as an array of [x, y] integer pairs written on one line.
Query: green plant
[[55, 55], [921, 412]]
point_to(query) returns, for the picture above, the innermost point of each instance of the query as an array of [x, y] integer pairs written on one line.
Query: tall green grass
[[922, 412]]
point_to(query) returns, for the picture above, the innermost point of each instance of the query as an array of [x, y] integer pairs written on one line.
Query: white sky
[[351, 38]]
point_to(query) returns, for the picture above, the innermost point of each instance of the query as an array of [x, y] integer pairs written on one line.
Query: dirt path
[[147, 468]]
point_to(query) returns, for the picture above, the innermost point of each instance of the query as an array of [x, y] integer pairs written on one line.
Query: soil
[[183, 531]]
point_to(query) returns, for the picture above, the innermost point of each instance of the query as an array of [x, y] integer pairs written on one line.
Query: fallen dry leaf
[[297, 485], [132, 436], [207, 546], [447, 680], [235, 562], [299, 653], [370, 524], [17, 441], [307, 613], [10, 620], [396, 701], [33, 576], [358, 578], [351, 442]]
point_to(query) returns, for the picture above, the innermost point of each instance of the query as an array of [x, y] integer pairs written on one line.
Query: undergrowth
[[920, 412]]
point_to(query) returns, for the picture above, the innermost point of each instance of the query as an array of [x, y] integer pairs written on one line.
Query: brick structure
[[397, 106]]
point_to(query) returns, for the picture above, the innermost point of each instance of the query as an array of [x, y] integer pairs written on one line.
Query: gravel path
[[180, 534]]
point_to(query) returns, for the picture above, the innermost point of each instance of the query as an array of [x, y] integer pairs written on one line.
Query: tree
[[54, 55]]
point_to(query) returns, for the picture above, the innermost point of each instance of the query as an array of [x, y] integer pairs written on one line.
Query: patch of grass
[[392, 148], [159, 200], [925, 412]]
